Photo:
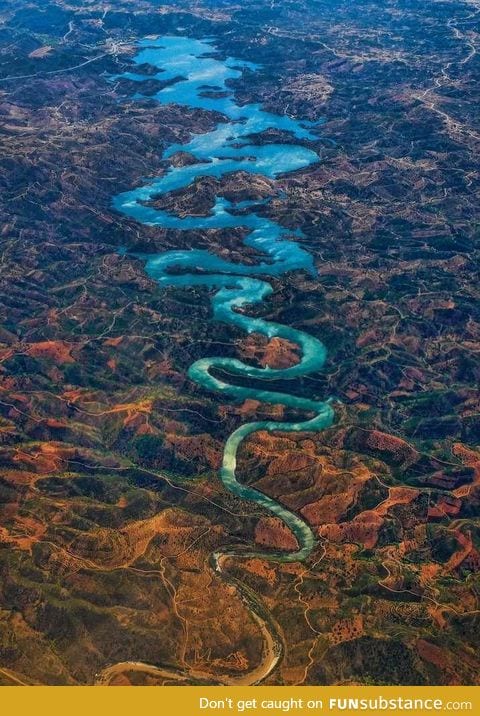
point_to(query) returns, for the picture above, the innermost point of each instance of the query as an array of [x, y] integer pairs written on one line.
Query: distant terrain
[[124, 557]]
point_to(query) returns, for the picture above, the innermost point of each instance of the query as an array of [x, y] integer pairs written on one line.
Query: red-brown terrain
[[110, 499]]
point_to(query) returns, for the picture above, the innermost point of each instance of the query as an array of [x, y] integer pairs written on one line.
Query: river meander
[[202, 82]]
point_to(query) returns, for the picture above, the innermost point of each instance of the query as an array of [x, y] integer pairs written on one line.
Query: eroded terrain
[[111, 502]]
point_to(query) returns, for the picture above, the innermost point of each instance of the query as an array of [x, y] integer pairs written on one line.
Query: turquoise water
[[229, 147]]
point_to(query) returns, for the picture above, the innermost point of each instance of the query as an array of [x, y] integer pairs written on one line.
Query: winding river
[[201, 80]]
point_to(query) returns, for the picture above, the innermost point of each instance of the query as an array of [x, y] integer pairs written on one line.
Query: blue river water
[[199, 79]]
